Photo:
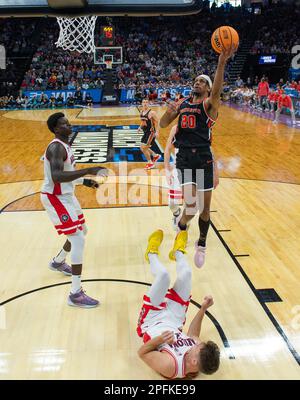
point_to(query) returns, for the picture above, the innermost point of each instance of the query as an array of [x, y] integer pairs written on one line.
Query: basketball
[[223, 38]]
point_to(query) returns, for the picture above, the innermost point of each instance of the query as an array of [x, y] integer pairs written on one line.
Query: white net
[[77, 34]]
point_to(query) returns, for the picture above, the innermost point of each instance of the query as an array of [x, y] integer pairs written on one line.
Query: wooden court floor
[[251, 270]]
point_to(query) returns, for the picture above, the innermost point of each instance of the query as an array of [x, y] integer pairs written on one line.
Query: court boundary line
[[274, 321], [141, 162]]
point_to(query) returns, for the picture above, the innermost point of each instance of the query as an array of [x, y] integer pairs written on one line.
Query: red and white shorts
[[169, 315], [64, 211], [175, 192]]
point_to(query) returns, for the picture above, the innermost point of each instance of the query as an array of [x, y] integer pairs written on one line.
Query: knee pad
[[77, 241]]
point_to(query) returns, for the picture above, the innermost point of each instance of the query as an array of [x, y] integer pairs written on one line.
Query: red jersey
[[273, 96], [285, 102], [263, 89], [280, 92]]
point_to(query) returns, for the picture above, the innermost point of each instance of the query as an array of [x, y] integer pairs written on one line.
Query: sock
[[203, 227], [161, 282], [61, 256], [177, 212], [183, 284], [181, 227], [76, 283]]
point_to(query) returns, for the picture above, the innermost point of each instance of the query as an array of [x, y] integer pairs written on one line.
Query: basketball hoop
[[77, 33], [108, 64]]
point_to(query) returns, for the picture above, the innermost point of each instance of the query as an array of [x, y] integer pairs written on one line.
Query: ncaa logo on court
[[64, 218], [100, 143]]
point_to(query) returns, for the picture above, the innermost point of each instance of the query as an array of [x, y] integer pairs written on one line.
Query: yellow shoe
[[154, 241], [179, 244]]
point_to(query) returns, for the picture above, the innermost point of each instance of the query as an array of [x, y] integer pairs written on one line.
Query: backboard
[[98, 7], [114, 54]]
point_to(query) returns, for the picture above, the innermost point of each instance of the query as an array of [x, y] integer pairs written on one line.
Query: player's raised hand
[[227, 53], [207, 302], [167, 337]]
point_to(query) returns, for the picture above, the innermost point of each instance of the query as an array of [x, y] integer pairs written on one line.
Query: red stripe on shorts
[[65, 226], [172, 295]]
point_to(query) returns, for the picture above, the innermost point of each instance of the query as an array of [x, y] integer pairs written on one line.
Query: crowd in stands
[[157, 52], [277, 30], [262, 96], [53, 68], [15, 34], [15, 37], [43, 101], [171, 52]]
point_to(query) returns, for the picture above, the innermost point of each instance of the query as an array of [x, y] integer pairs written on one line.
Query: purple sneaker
[[80, 299], [60, 267]]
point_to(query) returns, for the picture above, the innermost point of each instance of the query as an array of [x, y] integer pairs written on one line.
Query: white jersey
[[178, 350], [69, 165]]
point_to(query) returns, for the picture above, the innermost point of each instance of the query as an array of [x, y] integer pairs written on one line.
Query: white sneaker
[[199, 257]]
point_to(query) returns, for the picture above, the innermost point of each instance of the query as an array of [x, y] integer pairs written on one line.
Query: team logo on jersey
[[99, 143], [64, 218]]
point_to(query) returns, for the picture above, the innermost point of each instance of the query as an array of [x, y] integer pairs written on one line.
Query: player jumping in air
[[194, 161]]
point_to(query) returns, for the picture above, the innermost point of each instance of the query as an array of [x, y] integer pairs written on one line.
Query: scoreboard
[[107, 35]]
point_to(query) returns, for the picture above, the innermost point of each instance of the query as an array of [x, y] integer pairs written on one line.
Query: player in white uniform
[[57, 196], [166, 349], [174, 193]]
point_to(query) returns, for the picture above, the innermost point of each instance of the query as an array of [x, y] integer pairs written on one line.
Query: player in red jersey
[[194, 161], [149, 127], [285, 100]]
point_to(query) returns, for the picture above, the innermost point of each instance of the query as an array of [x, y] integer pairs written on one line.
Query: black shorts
[[148, 138], [195, 166]]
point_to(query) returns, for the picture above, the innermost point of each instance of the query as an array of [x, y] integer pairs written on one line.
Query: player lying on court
[[63, 208], [197, 114], [166, 349], [149, 126]]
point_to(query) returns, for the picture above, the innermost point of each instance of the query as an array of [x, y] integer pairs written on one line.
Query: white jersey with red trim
[[69, 165], [178, 350]]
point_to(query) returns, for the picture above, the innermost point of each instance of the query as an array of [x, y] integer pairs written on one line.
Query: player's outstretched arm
[[171, 113], [56, 155], [213, 100], [160, 362], [195, 326]]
